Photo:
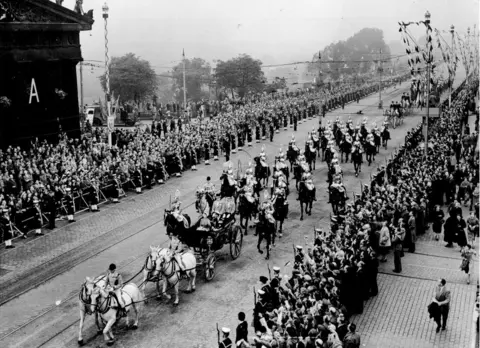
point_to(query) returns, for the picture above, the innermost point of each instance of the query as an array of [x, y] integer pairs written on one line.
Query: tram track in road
[[124, 265]]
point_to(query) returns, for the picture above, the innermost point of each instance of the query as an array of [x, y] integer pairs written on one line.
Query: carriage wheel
[[236, 242], [210, 267]]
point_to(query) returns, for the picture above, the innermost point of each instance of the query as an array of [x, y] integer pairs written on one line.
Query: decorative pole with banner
[[184, 85], [427, 24], [452, 56], [110, 117]]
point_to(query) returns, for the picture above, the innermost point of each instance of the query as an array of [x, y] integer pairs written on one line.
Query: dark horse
[[298, 172], [265, 230], [261, 173], [246, 209], [337, 198], [345, 148], [292, 154], [305, 196], [385, 134], [323, 146], [370, 152], [280, 214], [182, 229], [310, 156], [357, 160], [228, 188]]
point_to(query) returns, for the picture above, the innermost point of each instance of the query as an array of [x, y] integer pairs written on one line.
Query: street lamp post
[[427, 22], [450, 80], [110, 118], [380, 70]]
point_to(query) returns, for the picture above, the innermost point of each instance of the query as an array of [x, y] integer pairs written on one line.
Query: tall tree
[[359, 51], [131, 78], [240, 75], [197, 74]]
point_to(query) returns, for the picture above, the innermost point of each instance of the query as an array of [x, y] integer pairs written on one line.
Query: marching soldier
[[295, 122], [69, 203], [37, 217]]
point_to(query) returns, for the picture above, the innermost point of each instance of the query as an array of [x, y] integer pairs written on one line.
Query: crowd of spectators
[[312, 306], [87, 170]]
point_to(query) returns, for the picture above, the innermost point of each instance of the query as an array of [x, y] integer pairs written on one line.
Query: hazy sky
[[275, 31]]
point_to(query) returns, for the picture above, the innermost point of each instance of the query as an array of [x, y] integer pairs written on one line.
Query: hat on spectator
[[261, 292], [225, 330], [276, 269]]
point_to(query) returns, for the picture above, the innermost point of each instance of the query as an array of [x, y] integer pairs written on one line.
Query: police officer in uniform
[[69, 205], [51, 209], [37, 217], [226, 342]]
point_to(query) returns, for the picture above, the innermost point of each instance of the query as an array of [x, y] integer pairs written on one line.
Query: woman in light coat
[[385, 241]]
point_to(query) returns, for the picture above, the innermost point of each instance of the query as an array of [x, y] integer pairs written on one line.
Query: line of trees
[[134, 79]]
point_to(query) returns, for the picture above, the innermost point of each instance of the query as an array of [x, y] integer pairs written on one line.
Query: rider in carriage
[[338, 185], [249, 175], [250, 193]]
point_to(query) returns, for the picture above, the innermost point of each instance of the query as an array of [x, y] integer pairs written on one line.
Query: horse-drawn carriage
[[209, 235]]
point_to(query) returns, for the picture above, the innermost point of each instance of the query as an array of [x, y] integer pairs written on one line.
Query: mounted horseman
[[338, 195], [248, 199], [281, 165], [292, 153], [385, 134], [229, 184], [357, 160], [370, 148], [316, 140], [310, 153], [323, 142], [377, 139], [306, 194], [266, 225], [345, 146], [301, 167], [262, 170], [280, 207]]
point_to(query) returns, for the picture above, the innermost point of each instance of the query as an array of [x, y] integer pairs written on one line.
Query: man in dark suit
[[412, 227], [241, 339], [441, 296]]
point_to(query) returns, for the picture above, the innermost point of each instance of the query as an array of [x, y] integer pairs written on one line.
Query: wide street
[[51, 268]]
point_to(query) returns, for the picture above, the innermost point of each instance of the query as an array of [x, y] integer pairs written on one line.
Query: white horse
[[85, 302], [107, 307], [151, 271], [168, 266]]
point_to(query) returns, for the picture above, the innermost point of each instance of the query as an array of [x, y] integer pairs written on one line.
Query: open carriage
[[214, 233]]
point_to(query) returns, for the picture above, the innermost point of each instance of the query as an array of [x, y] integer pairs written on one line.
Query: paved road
[[126, 230]]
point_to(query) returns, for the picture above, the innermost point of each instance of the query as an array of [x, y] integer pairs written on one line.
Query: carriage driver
[[114, 284]]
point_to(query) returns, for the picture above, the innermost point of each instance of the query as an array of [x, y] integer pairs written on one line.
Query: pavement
[[52, 268]]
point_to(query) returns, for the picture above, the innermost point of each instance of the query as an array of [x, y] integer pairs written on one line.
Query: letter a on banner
[[33, 92]]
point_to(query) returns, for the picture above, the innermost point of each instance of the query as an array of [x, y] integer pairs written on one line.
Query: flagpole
[[184, 86], [452, 31], [427, 22]]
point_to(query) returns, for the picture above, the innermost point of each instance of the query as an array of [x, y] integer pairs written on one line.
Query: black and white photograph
[[239, 174]]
